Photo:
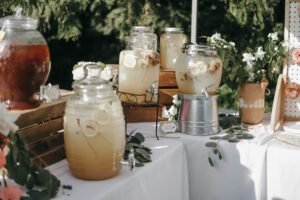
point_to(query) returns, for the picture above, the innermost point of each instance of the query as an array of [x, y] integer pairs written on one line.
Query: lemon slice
[[104, 114], [129, 60], [197, 68], [90, 128]]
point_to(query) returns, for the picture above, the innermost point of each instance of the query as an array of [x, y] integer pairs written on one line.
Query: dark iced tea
[[23, 69]]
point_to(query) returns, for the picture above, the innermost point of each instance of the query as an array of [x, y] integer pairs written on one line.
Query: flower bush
[[252, 65], [21, 177]]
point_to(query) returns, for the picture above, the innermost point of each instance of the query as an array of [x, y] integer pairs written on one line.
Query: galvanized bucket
[[198, 115]]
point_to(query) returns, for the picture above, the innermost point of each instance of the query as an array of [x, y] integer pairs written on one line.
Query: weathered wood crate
[[42, 129]]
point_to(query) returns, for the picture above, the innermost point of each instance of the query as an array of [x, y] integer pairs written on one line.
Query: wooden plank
[[50, 157], [35, 133], [166, 96], [142, 114], [167, 79], [43, 113], [277, 104]]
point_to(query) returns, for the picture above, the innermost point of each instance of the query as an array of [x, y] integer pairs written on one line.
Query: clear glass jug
[[24, 61], [171, 42], [139, 67], [198, 67], [94, 128]]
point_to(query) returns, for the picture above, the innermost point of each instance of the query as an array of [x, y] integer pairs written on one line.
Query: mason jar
[[139, 67], [94, 128], [171, 42], [198, 67]]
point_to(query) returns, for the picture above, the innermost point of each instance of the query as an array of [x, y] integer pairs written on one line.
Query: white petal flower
[[165, 113], [176, 100], [173, 111], [7, 120], [248, 58], [259, 54], [215, 37], [107, 73], [78, 73], [273, 36], [232, 44], [276, 49]]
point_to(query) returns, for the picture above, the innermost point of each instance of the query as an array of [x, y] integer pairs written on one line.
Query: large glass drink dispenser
[[24, 61], [94, 128], [139, 67], [198, 67]]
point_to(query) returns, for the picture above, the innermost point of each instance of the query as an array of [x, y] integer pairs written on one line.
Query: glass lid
[[92, 80], [18, 21]]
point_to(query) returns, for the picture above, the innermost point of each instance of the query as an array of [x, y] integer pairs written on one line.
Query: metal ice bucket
[[198, 115]]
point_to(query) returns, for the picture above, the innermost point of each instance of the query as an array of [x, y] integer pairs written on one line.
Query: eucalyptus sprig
[[141, 153], [235, 131]]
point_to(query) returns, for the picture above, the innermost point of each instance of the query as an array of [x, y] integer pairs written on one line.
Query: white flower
[[78, 73], [173, 111], [273, 36], [107, 73], [259, 54], [165, 113], [232, 44], [285, 45], [215, 37], [7, 120], [248, 58], [251, 77], [176, 100], [225, 46], [276, 49]]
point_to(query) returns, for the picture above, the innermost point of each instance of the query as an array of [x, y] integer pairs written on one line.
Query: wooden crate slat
[[43, 113], [167, 79], [35, 133], [50, 157]]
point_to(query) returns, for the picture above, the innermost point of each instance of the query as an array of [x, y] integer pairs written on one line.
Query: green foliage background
[[94, 30]]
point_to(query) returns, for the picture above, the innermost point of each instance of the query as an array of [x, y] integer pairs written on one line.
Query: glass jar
[[171, 42], [94, 128], [198, 67], [24, 61], [139, 67]]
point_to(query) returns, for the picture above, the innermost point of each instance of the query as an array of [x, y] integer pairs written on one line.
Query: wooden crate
[[42, 129]]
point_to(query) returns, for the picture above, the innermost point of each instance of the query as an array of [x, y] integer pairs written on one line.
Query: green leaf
[[139, 164], [210, 162], [140, 137], [215, 138], [211, 144], [39, 195], [233, 140]]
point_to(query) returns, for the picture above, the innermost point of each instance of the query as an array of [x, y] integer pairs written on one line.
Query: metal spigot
[[131, 160]]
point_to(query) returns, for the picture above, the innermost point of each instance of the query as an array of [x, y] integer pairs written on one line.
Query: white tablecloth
[[241, 174], [165, 178], [283, 171]]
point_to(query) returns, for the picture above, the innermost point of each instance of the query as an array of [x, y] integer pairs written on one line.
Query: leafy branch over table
[[141, 153], [234, 132]]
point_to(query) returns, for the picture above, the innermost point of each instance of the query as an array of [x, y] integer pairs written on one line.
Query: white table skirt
[[165, 178], [283, 171], [241, 174]]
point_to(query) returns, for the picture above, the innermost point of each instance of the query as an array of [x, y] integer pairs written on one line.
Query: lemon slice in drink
[[103, 114], [129, 60], [90, 128], [197, 68]]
